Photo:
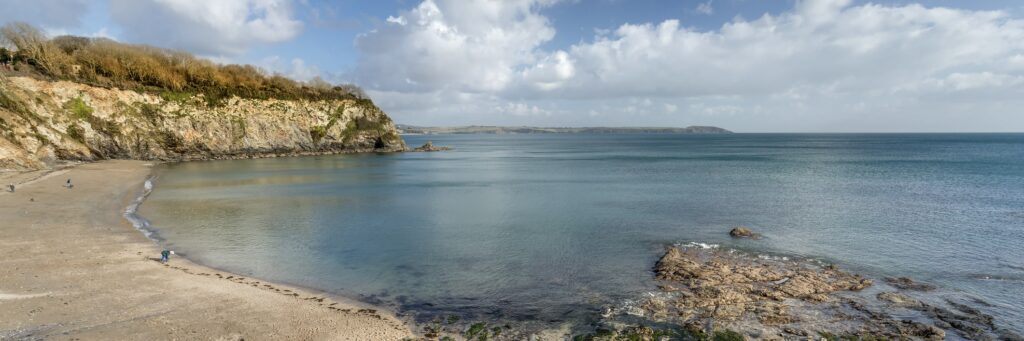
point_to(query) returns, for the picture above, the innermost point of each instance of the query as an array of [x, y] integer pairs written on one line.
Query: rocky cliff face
[[44, 122]]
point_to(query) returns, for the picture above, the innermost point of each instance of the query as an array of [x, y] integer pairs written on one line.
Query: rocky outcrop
[[742, 232], [44, 122], [720, 285], [430, 147], [707, 288]]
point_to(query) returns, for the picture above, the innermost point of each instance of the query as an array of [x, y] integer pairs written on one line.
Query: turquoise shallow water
[[553, 227]]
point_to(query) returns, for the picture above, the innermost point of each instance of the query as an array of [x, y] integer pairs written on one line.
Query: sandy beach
[[71, 267]]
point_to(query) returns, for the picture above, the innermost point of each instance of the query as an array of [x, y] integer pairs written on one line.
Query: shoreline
[[313, 303], [57, 282]]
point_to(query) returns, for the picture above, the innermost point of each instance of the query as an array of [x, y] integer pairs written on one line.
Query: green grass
[[176, 96], [9, 103], [317, 133], [479, 328], [150, 112], [76, 133], [77, 107]]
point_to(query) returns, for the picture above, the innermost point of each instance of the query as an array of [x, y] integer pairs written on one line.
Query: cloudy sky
[[746, 65]]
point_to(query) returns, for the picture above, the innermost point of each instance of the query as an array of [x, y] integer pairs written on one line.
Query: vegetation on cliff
[[74, 98], [174, 74]]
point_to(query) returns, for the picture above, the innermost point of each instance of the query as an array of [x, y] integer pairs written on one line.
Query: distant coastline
[[417, 130]]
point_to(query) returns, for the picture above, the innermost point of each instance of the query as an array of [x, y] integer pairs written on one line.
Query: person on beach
[[12, 188], [68, 184], [165, 256]]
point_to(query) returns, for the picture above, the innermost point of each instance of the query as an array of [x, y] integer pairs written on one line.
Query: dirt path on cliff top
[[72, 268]]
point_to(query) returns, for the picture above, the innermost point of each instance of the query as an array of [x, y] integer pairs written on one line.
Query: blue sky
[[822, 65]]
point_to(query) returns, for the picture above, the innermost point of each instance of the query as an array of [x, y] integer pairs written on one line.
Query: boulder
[[742, 232]]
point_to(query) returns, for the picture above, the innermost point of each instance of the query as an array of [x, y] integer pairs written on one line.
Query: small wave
[[698, 245], [771, 257], [131, 212], [634, 307]]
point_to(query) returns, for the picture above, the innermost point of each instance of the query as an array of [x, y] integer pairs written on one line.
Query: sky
[[744, 65]]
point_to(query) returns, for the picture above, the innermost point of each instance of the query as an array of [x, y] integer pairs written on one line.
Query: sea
[[557, 228]]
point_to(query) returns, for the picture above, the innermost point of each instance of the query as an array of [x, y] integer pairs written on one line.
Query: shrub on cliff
[[107, 63]]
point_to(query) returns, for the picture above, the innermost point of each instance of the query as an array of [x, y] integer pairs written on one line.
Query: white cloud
[[222, 27], [824, 65], [671, 108], [550, 72], [705, 8], [475, 46], [296, 68], [859, 49]]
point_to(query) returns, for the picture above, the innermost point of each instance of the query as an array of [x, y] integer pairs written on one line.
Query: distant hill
[[408, 129]]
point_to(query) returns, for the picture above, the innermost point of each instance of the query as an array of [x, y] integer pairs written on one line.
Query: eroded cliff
[[43, 122]]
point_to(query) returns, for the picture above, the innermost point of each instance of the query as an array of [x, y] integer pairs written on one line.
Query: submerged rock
[[909, 284], [899, 300]]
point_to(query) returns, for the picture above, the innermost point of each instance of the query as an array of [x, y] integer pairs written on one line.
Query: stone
[[741, 232], [898, 300], [909, 284]]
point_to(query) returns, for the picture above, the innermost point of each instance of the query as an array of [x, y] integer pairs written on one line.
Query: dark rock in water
[[429, 147], [909, 284], [741, 231]]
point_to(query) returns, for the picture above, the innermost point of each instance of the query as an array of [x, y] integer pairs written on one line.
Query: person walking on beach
[[68, 184], [165, 256]]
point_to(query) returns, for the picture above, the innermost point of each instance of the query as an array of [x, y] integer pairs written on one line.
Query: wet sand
[[71, 267]]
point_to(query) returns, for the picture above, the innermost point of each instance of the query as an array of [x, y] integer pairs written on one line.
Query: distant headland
[[408, 129]]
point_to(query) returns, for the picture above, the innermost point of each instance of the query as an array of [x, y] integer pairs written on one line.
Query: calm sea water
[[553, 227]]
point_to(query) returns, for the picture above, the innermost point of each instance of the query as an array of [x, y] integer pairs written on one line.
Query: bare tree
[[33, 44]]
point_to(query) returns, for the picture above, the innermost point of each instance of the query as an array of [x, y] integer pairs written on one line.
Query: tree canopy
[[108, 63]]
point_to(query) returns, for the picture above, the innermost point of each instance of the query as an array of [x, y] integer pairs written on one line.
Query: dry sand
[[71, 267]]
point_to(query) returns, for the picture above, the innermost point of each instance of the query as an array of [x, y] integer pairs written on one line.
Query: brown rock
[[741, 232], [909, 284], [927, 332], [771, 297]]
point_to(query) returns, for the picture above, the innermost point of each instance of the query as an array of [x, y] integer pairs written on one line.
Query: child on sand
[[68, 184], [165, 255]]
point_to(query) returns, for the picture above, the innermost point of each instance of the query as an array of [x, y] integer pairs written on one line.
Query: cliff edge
[[45, 122]]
